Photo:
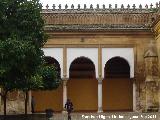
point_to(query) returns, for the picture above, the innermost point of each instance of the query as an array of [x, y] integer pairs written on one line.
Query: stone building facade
[[107, 58]]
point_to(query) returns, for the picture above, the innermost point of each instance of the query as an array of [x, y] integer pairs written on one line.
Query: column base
[[100, 110]]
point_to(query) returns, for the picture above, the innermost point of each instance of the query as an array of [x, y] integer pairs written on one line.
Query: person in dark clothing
[[32, 104], [69, 107]]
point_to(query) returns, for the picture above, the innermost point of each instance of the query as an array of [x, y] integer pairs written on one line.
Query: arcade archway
[[117, 86], [82, 85], [49, 99]]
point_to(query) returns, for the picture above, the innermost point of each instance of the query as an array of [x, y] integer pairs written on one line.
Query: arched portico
[[82, 85], [90, 53], [126, 53], [117, 86], [49, 99]]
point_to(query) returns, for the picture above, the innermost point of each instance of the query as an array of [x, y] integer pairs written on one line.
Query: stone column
[[100, 95], [134, 96], [64, 92]]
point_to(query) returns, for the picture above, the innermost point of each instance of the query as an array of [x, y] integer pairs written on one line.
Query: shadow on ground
[[24, 117]]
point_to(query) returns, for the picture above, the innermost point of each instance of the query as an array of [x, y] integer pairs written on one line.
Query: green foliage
[[19, 61], [50, 79], [22, 18], [21, 39]]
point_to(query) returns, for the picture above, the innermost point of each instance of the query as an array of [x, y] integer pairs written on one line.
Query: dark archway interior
[[82, 68], [117, 68], [50, 98], [117, 86], [82, 85], [54, 62]]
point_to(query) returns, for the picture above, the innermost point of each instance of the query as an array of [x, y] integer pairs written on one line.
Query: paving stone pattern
[[88, 116]]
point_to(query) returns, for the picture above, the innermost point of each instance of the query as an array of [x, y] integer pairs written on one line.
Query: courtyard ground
[[88, 116]]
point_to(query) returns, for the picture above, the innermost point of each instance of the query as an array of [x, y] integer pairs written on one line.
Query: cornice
[[107, 27], [100, 19]]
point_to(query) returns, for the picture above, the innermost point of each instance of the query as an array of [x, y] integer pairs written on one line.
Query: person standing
[[69, 107], [32, 104]]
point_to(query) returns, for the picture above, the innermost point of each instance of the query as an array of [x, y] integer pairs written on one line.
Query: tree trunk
[[5, 102], [26, 101]]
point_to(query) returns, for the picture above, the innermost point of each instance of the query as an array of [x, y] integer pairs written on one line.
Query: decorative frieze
[[99, 18]]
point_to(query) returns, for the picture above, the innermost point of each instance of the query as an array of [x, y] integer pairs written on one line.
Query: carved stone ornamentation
[[91, 6], [152, 78], [85, 6], [72, 6], [79, 7], [140, 6], [104, 7], [128, 6], [97, 6], [122, 6], [47, 6], [152, 98], [116, 6], [59, 6], [146, 6], [66, 6], [102, 20], [134, 6], [53, 6]]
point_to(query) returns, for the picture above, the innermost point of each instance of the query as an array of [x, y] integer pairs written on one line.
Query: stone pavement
[[89, 116], [110, 116]]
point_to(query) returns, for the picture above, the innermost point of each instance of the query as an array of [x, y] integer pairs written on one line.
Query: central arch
[[82, 85], [117, 86]]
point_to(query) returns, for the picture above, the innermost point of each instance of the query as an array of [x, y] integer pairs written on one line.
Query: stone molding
[[71, 28]]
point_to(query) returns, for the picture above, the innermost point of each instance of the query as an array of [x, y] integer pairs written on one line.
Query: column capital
[[100, 80], [65, 80]]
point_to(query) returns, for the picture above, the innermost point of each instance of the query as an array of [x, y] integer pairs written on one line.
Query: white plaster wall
[[91, 53], [126, 53], [56, 53]]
